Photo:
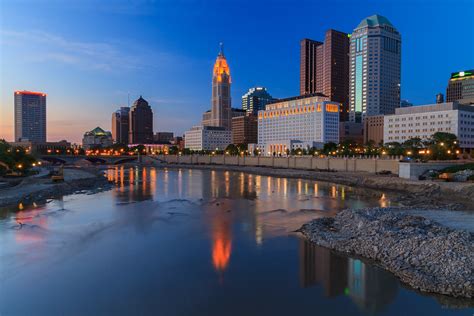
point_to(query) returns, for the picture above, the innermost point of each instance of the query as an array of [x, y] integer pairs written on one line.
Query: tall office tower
[[120, 125], [221, 101], [375, 63], [255, 100], [324, 68], [30, 116], [461, 87], [141, 123]]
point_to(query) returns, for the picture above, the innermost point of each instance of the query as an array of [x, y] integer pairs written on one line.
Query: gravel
[[422, 253]]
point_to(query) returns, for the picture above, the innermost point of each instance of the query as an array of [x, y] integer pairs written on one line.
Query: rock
[[422, 253]]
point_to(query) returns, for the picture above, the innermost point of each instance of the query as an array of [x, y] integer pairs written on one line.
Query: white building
[[207, 138], [423, 121], [298, 122], [375, 65]]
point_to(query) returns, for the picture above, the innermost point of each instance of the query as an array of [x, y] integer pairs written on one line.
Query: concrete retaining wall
[[412, 170], [371, 165]]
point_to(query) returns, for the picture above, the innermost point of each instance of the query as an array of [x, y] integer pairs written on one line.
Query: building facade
[[461, 87], [351, 131], [30, 116], [163, 137], [141, 123], [324, 68], [424, 121], [298, 122], [207, 138], [220, 113], [255, 100], [97, 138], [244, 129], [375, 68], [373, 129], [120, 125]]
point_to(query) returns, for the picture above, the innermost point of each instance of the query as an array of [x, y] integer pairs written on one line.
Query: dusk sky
[[89, 55]]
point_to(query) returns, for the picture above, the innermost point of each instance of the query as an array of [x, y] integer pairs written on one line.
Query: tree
[[15, 158], [330, 147], [443, 146], [232, 149]]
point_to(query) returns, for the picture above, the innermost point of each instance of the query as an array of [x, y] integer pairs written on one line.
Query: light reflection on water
[[220, 239]]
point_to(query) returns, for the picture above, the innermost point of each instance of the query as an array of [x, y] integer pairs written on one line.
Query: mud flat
[[33, 189], [449, 195], [420, 252]]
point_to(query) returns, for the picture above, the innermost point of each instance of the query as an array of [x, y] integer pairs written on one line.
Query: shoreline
[[411, 193], [422, 253], [75, 179]]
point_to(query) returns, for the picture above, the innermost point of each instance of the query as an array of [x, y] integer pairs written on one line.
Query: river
[[193, 242]]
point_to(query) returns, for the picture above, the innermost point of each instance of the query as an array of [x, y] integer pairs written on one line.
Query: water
[[192, 242]]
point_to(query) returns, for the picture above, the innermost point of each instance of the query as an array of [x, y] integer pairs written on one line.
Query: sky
[[90, 55]]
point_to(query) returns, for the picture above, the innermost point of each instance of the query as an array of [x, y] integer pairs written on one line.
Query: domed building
[[141, 123], [97, 138]]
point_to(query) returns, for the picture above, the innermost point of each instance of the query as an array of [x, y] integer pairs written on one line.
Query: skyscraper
[[461, 87], [30, 116], [141, 123], [255, 100], [220, 114], [120, 125], [324, 68], [375, 66]]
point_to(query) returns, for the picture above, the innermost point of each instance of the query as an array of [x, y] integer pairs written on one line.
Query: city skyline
[[85, 71]]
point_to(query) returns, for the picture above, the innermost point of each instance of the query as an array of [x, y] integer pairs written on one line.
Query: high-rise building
[[244, 129], [141, 123], [30, 116], [298, 122], [461, 87], [120, 125], [255, 100], [375, 66], [324, 68], [220, 114]]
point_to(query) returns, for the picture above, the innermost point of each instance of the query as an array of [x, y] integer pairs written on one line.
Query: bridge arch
[[124, 160], [54, 160]]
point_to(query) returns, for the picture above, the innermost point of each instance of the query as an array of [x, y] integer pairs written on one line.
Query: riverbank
[[411, 193], [32, 189], [420, 252]]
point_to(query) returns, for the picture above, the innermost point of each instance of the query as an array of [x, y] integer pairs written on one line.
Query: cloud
[[40, 46]]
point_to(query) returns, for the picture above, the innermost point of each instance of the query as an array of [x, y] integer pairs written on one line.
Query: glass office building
[[30, 116]]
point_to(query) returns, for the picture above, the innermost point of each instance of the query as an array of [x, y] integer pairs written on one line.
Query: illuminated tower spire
[[221, 102]]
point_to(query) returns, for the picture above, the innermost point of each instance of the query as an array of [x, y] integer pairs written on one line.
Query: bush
[[453, 169]]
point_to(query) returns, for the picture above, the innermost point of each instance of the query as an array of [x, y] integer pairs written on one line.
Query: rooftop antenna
[[221, 52], [128, 102]]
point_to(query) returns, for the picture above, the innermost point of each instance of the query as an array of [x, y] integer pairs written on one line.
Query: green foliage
[[453, 169], [16, 159]]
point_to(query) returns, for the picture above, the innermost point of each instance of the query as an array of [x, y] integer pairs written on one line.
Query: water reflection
[[369, 287]]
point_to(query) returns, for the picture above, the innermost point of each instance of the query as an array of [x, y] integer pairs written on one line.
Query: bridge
[[98, 160]]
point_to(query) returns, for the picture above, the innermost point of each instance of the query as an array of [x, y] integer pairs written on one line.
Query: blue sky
[[89, 55]]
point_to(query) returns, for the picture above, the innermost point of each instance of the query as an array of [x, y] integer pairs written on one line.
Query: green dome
[[374, 20]]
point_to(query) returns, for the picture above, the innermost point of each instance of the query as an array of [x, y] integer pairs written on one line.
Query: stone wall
[[371, 165]]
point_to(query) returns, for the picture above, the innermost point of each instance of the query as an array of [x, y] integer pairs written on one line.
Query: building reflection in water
[[369, 287], [134, 184], [221, 243]]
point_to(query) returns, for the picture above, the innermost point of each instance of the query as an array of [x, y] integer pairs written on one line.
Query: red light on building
[[31, 93]]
